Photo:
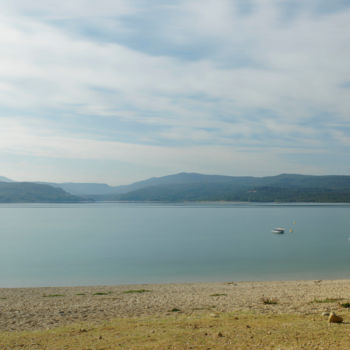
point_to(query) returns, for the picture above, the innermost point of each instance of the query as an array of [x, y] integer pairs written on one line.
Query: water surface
[[118, 243]]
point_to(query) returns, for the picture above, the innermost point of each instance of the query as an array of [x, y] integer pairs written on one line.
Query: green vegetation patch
[[218, 295], [346, 305], [53, 295], [175, 309], [80, 294], [327, 300], [103, 293], [131, 291]]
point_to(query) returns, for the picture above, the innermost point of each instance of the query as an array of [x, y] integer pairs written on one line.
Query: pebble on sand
[[333, 318]]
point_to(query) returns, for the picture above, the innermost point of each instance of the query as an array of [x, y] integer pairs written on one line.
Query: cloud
[[33, 141], [69, 9], [155, 78]]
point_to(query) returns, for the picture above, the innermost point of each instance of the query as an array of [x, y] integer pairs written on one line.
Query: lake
[[120, 243]]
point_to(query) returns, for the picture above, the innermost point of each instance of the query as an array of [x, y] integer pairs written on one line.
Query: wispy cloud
[[200, 85]]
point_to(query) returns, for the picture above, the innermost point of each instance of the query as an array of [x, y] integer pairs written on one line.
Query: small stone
[[220, 334], [214, 315], [333, 318], [248, 326], [325, 314]]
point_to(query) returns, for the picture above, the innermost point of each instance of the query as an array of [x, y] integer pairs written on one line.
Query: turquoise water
[[118, 243]]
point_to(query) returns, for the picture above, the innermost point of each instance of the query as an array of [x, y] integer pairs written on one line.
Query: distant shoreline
[[184, 187], [189, 203]]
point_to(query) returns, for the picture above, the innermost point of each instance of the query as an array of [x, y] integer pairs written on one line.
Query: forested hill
[[198, 187], [227, 192], [28, 192], [188, 187]]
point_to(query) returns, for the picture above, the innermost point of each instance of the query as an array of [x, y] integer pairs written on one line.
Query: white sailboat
[[278, 230]]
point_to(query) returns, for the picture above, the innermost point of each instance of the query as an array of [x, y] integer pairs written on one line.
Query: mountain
[[94, 189], [5, 179], [188, 187], [81, 189], [224, 192], [199, 187], [28, 192], [103, 189], [184, 178]]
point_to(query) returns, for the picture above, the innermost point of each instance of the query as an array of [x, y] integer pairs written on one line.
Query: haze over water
[[119, 243]]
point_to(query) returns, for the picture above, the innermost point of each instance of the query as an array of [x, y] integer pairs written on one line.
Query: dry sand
[[38, 308]]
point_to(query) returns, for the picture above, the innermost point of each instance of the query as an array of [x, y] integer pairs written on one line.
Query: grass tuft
[[131, 291], [175, 310], [269, 301], [218, 295], [327, 300], [53, 295], [346, 305], [102, 293]]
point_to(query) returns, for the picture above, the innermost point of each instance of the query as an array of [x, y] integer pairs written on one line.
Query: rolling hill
[[5, 179], [198, 187], [28, 192], [188, 187]]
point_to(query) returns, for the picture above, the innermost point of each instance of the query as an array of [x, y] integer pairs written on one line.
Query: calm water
[[118, 243]]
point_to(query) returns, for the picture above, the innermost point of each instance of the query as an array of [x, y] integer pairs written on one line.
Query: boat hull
[[278, 231]]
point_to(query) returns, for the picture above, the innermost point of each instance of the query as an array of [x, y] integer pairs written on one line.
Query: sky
[[117, 91]]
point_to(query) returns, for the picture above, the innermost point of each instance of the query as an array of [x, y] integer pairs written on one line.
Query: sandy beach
[[43, 308]]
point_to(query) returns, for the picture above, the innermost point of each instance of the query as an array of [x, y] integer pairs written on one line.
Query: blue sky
[[117, 91]]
